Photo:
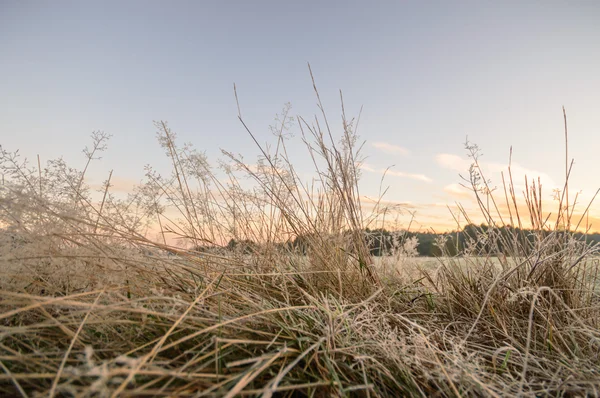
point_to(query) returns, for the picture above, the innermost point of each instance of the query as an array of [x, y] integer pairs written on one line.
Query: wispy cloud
[[519, 172], [389, 172], [419, 177], [390, 148], [457, 190], [492, 170], [452, 162]]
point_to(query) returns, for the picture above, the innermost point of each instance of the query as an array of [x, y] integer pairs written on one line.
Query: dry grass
[[90, 306]]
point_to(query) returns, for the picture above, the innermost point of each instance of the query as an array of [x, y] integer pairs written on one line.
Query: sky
[[426, 74]]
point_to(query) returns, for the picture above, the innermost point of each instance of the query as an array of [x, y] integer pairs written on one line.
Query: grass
[[90, 305]]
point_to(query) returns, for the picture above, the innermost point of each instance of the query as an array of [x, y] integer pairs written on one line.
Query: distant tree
[[244, 246]]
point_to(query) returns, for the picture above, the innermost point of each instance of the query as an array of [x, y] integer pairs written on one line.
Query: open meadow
[[91, 306]]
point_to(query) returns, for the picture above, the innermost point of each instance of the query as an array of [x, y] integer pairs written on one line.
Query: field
[[93, 306]]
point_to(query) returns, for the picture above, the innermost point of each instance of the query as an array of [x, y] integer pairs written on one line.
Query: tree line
[[472, 239]]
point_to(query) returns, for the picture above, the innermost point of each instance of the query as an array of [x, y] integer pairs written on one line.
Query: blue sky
[[427, 73]]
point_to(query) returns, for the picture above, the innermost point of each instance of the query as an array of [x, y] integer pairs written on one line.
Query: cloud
[[452, 162], [371, 203], [368, 168], [388, 202], [519, 172], [389, 172], [457, 190], [419, 177], [493, 170], [389, 148]]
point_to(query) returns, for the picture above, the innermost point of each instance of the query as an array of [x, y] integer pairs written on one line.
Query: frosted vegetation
[[192, 285]]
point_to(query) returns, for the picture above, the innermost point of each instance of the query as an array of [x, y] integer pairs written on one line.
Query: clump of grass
[[92, 305]]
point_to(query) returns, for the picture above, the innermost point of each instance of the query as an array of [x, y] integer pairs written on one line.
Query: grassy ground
[[90, 308], [87, 324]]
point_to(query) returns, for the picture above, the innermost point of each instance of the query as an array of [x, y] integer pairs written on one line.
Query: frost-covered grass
[[91, 306]]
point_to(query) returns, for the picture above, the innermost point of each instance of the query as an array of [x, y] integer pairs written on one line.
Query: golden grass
[[90, 306]]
